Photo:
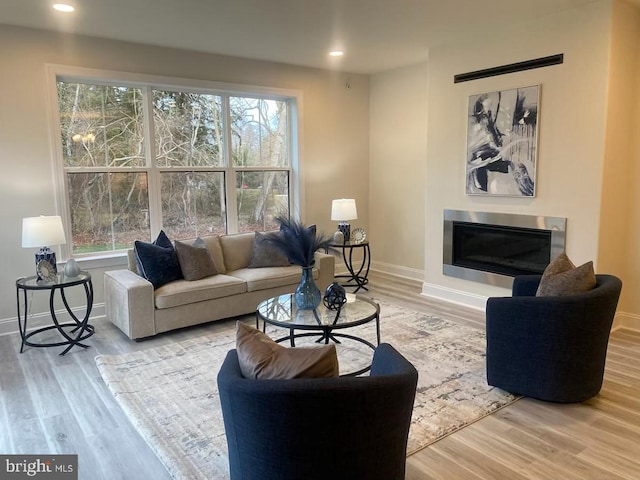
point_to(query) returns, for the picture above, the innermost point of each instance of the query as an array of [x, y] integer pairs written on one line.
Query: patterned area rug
[[170, 394]]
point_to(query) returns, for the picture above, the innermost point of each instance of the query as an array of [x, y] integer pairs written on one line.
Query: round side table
[[73, 333]]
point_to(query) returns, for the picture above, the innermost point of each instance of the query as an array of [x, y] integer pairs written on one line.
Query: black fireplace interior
[[501, 249]]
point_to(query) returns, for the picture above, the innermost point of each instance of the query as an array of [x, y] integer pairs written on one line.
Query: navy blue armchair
[[342, 428], [550, 348]]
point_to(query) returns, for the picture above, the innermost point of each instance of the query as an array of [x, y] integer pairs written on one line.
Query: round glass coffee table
[[323, 323]]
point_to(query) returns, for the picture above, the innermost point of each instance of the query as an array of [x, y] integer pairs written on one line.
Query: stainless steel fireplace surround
[[494, 247]]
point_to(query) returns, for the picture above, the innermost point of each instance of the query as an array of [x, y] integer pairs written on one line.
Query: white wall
[[620, 215], [334, 137], [571, 132], [632, 285], [398, 162]]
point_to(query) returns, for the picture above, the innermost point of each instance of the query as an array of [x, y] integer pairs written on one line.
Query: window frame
[[148, 83]]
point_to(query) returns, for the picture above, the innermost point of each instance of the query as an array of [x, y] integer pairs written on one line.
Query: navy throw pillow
[[157, 261]]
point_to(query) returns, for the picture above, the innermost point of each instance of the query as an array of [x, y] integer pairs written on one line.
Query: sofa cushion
[[215, 249], [262, 358], [237, 250], [157, 261], [271, 277], [562, 277], [265, 254], [195, 260], [182, 292]]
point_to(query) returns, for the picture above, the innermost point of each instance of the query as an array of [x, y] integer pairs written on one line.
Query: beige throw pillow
[[195, 260], [262, 358], [562, 277], [265, 254]]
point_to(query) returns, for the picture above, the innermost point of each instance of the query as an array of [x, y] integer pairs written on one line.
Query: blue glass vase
[[307, 295]]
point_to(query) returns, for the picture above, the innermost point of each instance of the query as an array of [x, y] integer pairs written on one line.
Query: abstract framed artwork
[[502, 136]]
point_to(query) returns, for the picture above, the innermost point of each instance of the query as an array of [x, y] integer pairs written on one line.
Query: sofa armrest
[[326, 265], [129, 303]]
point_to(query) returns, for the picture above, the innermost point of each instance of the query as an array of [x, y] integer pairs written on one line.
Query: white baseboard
[[37, 320], [627, 320], [621, 320], [398, 270], [451, 295]]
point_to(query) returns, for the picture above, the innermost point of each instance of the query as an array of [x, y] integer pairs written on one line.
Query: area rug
[[170, 394]]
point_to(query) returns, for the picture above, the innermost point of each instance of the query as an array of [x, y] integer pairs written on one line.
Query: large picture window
[[137, 158]]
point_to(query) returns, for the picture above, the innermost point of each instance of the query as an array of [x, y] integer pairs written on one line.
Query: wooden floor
[[52, 404]]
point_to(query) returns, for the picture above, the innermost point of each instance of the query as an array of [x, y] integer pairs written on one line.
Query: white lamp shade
[[42, 231], [343, 209]]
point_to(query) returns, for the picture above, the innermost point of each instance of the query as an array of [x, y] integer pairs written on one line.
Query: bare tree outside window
[[110, 186], [188, 129], [259, 140], [189, 133], [101, 131]]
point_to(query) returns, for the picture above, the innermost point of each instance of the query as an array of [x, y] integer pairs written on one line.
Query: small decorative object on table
[[338, 238], [335, 296], [358, 235], [45, 271], [299, 244], [71, 268]]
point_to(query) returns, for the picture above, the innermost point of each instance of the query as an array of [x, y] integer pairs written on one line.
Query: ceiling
[[376, 35]]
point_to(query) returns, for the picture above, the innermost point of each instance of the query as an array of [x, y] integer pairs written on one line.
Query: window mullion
[[295, 175], [153, 176], [230, 176]]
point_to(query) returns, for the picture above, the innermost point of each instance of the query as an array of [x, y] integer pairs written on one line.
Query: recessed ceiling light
[[63, 7], [336, 53]]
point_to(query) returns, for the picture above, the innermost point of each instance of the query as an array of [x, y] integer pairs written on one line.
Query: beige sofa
[[139, 311]]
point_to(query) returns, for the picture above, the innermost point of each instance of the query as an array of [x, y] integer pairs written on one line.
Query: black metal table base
[[358, 275], [327, 334], [70, 341], [356, 281]]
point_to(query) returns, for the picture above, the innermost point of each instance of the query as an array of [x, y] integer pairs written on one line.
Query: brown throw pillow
[[265, 254], [195, 260], [262, 358], [562, 277]]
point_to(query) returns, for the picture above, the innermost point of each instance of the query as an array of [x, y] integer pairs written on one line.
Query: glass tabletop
[[61, 280], [350, 243], [284, 312]]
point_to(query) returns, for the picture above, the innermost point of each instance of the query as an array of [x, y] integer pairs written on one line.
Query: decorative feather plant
[[298, 242]]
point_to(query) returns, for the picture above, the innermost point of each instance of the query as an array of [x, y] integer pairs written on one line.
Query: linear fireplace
[[495, 247]]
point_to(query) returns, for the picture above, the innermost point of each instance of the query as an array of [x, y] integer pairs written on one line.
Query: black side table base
[[88, 331], [357, 278]]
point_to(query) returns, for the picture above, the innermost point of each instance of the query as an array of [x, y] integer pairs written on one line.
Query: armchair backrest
[[527, 285], [337, 428]]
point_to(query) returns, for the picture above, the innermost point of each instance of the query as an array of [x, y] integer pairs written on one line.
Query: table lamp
[[41, 232], [344, 209]]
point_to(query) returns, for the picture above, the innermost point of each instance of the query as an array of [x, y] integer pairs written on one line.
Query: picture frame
[[502, 142]]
